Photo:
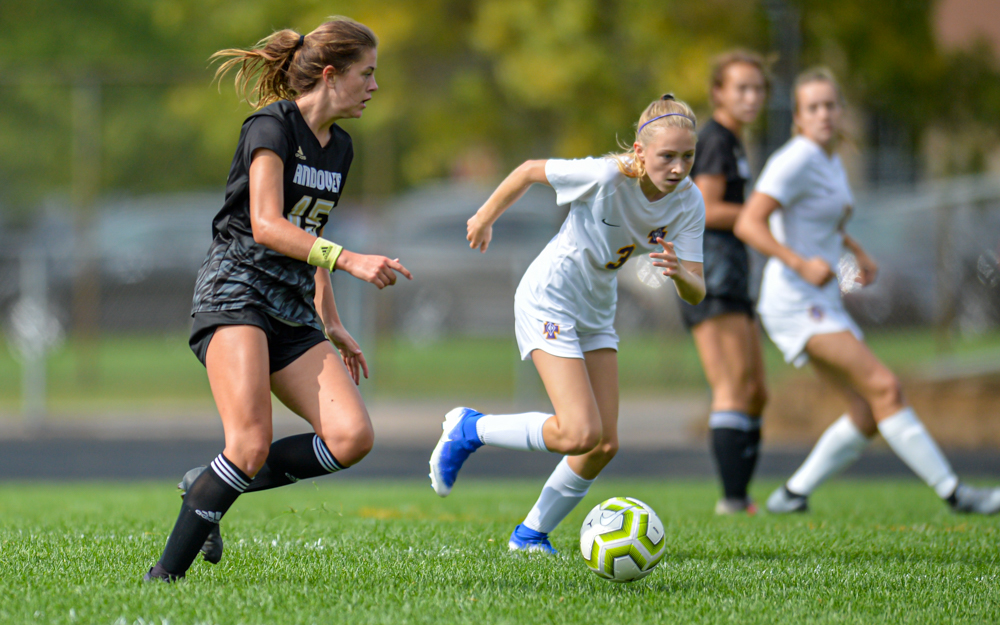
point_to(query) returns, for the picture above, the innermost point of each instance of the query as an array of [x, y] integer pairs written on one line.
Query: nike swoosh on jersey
[[607, 224]]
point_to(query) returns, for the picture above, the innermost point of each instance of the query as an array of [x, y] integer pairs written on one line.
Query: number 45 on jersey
[[315, 218]]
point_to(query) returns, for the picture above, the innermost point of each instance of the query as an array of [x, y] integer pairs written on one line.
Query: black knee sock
[[292, 459], [735, 442], [205, 502]]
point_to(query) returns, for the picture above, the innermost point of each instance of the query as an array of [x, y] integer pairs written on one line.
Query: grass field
[[375, 552], [142, 372]]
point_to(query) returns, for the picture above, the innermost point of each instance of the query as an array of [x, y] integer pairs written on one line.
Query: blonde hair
[[680, 116], [735, 57], [286, 64], [815, 74]]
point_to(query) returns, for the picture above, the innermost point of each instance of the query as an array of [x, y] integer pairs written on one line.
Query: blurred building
[[962, 24]]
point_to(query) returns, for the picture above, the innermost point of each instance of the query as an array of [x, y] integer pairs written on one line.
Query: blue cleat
[[530, 541], [453, 448]]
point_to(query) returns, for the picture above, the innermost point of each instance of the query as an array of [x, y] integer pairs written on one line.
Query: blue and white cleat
[[528, 540], [453, 448]]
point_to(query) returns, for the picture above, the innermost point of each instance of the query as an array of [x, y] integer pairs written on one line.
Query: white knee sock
[[513, 431], [913, 444], [840, 445], [563, 490]]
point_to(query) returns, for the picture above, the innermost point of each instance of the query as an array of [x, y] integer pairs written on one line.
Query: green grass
[[376, 552], [130, 372]]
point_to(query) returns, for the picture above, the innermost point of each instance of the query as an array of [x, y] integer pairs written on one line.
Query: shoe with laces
[[968, 499], [783, 501], [453, 448], [211, 550], [530, 541]]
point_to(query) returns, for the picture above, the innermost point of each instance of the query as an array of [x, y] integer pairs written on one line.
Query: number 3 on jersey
[[623, 254], [311, 222]]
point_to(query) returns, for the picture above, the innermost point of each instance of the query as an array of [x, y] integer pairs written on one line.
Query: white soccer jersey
[[573, 280], [815, 200]]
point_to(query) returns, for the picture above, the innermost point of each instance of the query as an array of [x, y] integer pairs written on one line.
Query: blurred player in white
[[796, 216], [723, 324], [641, 201]]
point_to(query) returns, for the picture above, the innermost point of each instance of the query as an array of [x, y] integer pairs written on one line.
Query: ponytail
[[285, 64]]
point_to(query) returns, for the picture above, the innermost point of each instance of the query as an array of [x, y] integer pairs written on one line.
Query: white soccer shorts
[[557, 337], [790, 325]]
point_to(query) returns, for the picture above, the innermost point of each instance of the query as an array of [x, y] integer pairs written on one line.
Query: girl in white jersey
[[638, 202], [803, 192]]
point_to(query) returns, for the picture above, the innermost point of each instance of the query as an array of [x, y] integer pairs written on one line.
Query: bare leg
[[236, 361], [730, 352], [318, 388], [602, 367], [576, 426]]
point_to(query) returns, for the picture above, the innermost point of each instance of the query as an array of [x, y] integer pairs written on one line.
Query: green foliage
[[500, 79], [377, 552]]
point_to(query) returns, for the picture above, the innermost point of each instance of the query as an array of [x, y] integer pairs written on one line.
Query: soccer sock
[[563, 490], [735, 440], [513, 431], [840, 445], [292, 459], [205, 502], [907, 437]]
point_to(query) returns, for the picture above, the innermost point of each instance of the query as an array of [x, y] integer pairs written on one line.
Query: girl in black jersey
[[263, 305], [723, 325]]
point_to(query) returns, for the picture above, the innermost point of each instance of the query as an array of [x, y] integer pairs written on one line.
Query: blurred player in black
[[723, 324], [264, 314]]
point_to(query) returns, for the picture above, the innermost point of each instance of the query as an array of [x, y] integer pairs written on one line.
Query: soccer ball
[[622, 539]]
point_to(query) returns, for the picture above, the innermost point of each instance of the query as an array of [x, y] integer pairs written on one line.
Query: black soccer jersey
[[726, 262], [720, 152], [239, 272]]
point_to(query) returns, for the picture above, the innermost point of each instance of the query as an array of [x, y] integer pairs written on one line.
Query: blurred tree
[[893, 69], [481, 81]]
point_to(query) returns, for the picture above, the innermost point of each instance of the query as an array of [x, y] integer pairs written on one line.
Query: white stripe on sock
[[226, 473], [324, 456], [732, 420]]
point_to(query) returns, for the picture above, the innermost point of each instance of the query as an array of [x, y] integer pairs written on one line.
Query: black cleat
[[970, 500], [159, 574], [212, 549], [784, 501]]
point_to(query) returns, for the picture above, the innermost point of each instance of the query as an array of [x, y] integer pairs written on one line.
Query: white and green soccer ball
[[622, 539]]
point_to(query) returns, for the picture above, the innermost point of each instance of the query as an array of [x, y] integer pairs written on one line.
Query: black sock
[[735, 443], [292, 459], [205, 502]]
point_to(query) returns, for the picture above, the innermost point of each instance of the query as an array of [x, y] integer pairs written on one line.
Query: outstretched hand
[[350, 351], [479, 234], [667, 259], [379, 270]]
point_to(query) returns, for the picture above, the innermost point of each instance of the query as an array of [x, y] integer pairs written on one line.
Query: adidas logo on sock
[[210, 516], [291, 478]]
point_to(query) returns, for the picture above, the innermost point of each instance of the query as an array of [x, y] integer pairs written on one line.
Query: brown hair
[[681, 116], [733, 57], [279, 68], [815, 74]]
